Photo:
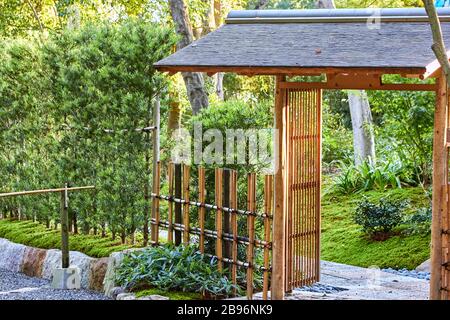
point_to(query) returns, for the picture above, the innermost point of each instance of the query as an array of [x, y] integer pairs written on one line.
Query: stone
[[126, 296], [11, 255], [424, 266], [78, 259], [153, 297], [97, 273], [33, 261], [66, 278], [116, 291], [109, 283]]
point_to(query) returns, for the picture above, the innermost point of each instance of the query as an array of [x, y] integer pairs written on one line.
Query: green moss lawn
[[37, 235], [342, 240]]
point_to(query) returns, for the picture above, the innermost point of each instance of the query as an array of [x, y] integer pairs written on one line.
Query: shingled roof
[[284, 41]]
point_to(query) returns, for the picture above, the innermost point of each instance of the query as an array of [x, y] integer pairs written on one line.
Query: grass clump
[[172, 295], [174, 269], [37, 235]]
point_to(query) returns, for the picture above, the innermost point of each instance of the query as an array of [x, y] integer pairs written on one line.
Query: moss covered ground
[[37, 235], [343, 241]]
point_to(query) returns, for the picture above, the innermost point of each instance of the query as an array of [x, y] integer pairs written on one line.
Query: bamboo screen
[[234, 229], [303, 113]]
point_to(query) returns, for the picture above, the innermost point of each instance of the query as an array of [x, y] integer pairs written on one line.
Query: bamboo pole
[[155, 202], [219, 217], [201, 192], [278, 274], [268, 200], [156, 160], [36, 192], [251, 202], [226, 214], [178, 190], [65, 228], [234, 226], [186, 175], [170, 205], [439, 200]]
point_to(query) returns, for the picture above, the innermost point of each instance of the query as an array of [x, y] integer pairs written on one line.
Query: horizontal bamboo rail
[[34, 192]]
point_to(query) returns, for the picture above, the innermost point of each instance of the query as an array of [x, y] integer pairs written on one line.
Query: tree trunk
[[363, 135], [362, 124], [174, 117], [193, 80]]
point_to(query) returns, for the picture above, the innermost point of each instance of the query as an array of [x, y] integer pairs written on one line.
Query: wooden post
[[156, 159], [219, 218], [178, 183], [278, 254], [226, 215], [251, 206], [155, 203], [65, 228], [268, 205], [234, 227], [186, 175], [439, 187], [170, 204], [201, 216]]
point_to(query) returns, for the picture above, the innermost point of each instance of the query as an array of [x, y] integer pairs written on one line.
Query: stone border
[[40, 263]]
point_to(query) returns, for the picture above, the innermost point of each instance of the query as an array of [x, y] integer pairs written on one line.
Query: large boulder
[[424, 266], [98, 270], [11, 255], [33, 261], [77, 259], [109, 283]]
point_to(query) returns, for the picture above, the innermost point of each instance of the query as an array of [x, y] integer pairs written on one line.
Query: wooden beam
[[439, 201], [359, 86], [279, 249], [433, 69], [291, 70]]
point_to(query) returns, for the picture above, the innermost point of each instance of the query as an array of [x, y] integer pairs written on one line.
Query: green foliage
[[369, 176], [379, 218], [36, 235], [60, 103], [171, 268], [172, 295], [343, 242], [419, 222]]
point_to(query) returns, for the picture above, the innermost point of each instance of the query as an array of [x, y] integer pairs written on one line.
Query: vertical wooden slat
[[268, 202], [251, 200], [186, 176], [289, 112], [439, 200], [279, 241], [170, 204], [178, 207], [227, 246], [234, 225], [319, 180], [155, 202], [219, 217], [201, 195]]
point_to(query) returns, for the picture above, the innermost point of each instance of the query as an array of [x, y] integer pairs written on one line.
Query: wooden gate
[[303, 164]]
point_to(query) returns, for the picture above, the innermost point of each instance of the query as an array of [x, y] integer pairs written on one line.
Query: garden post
[[178, 184], [65, 228], [279, 246]]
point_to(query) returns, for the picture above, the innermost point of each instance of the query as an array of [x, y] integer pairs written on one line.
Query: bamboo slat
[[201, 195], [170, 204], [219, 217], [268, 201], [234, 225], [155, 202], [251, 196], [186, 176]]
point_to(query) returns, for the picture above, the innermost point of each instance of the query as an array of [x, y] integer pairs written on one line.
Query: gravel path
[[17, 286], [409, 273]]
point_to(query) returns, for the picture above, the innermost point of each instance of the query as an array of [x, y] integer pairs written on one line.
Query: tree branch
[[438, 46], [36, 16]]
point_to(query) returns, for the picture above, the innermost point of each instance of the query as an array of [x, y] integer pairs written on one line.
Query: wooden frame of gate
[[296, 225]]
